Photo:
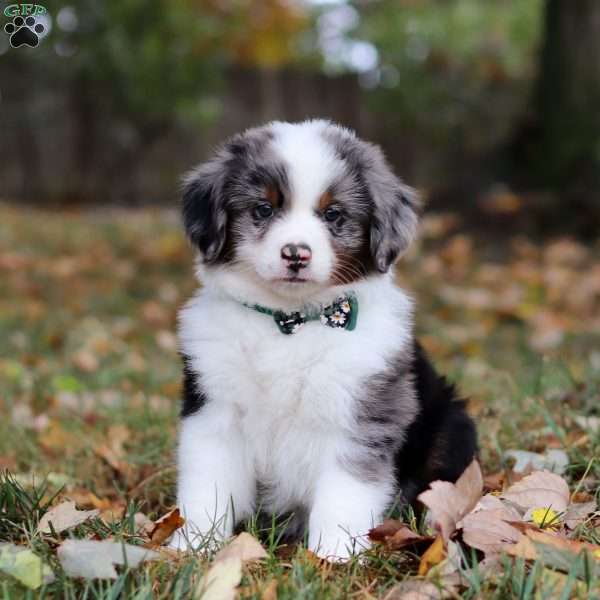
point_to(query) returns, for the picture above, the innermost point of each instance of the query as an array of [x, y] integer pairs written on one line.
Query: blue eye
[[263, 210], [332, 214]]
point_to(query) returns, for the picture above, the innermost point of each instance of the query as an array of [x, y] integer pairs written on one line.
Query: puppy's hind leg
[[442, 441]]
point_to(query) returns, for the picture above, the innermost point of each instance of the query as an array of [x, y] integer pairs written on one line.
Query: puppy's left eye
[[264, 210], [332, 214]]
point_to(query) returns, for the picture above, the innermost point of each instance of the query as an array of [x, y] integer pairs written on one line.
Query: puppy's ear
[[396, 206], [204, 208]]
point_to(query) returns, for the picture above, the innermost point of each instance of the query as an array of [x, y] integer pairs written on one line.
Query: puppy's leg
[[345, 508], [216, 486]]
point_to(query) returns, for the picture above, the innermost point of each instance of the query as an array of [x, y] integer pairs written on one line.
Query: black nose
[[297, 256]]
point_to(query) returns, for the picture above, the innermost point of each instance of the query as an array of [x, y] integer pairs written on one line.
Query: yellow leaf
[[434, 555], [545, 518]]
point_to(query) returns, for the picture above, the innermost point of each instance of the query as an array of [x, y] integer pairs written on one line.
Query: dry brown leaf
[[450, 502], [386, 529], [221, 580], [541, 489], [396, 535], [527, 549], [64, 516], [488, 531], [225, 574], [245, 547], [434, 555], [405, 537], [524, 548], [165, 527], [577, 513], [83, 497]]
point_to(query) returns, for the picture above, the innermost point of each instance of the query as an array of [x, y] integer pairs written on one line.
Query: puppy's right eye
[[263, 210]]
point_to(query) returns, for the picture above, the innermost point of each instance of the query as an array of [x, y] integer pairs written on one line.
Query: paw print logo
[[24, 32]]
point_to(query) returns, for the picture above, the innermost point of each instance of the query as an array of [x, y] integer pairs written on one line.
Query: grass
[[90, 379]]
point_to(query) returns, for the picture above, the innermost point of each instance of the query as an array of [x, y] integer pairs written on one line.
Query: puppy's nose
[[296, 256]]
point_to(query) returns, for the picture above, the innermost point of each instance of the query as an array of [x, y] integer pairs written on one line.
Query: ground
[[90, 380]]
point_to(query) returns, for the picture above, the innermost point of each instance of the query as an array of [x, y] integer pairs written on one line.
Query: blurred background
[[489, 107]]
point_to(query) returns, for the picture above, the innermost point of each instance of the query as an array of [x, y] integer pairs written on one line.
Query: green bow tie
[[341, 314]]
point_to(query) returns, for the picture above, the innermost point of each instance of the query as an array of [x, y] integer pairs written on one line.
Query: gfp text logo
[[24, 29]]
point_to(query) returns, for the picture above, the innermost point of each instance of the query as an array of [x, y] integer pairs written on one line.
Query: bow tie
[[341, 314]]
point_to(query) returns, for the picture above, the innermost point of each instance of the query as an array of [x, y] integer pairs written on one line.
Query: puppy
[[305, 393]]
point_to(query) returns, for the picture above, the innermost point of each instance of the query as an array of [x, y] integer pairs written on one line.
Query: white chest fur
[[291, 399]]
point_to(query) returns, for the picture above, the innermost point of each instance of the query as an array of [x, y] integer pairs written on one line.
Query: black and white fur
[[329, 425]]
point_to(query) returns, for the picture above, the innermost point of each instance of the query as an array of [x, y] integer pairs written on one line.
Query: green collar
[[341, 314]]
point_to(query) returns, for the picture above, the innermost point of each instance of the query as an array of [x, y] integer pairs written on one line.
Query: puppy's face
[[297, 208]]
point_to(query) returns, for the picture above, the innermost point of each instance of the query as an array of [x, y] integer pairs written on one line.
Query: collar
[[340, 314]]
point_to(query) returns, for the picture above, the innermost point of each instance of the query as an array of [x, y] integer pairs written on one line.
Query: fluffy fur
[[329, 426]]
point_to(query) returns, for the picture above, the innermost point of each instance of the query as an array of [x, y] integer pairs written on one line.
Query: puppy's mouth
[[292, 280]]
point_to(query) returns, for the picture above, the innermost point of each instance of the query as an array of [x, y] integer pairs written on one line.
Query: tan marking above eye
[[273, 196], [325, 200]]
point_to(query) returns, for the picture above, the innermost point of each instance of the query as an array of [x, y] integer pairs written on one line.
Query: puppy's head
[[296, 208]]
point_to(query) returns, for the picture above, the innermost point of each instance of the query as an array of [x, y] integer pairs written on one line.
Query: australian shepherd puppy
[[305, 393]]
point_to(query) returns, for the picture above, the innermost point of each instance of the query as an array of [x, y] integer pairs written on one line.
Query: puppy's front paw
[[190, 538], [337, 548]]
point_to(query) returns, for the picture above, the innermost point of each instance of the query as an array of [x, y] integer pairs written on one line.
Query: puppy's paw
[[191, 539], [338, 548]]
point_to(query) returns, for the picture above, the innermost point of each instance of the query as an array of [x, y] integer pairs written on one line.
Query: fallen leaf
[[396, 535], [539, 539], [405, 537], [450, 502], [524, 548], [543, 517], [84, 497], [578, 512], [245, 547], [25, 566], [386, 529], [488, 531], [553, 460], [221, 580], [92, 559], [434, 555], [64, 516], [540, 489], [165, 527]]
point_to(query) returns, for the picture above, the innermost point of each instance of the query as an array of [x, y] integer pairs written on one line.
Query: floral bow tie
[[341, 314]]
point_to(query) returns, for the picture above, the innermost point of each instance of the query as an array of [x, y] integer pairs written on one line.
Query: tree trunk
[[568, 96]]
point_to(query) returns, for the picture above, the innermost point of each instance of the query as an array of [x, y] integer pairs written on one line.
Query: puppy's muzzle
[[296, 256]]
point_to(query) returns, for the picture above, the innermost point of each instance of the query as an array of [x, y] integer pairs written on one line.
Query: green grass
[[88, 303]]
